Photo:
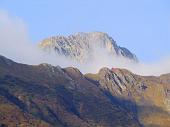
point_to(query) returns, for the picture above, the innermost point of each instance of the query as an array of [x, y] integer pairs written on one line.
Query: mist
[[16, 44]]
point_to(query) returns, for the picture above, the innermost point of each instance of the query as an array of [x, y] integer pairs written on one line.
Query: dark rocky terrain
[[48, 96]]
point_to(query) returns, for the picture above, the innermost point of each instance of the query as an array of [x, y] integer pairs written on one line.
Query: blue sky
[[143, 26]]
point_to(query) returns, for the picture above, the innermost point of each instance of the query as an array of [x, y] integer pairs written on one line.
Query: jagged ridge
[[45, 95], [48, 96], [82, 46]]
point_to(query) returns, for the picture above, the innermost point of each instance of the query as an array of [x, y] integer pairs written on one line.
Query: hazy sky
[[143, 26]]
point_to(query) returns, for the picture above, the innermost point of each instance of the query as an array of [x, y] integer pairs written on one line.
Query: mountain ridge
[[48, 96], [83, 46]]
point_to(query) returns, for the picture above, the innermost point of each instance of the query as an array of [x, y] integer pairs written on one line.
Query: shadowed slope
[[52, 96]]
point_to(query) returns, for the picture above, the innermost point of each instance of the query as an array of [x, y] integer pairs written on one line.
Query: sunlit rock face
[[147, 97], [82, 47]]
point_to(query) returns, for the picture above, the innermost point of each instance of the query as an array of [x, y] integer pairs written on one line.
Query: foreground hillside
[[48, 96], [148, 98]]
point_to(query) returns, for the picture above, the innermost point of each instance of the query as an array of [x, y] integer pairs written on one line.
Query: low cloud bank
[[16, 45]]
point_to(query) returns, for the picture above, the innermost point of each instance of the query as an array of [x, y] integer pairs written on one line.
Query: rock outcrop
[[147, 97], [82, 47]]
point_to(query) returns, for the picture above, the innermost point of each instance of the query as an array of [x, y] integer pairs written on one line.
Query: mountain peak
[[82, 47]]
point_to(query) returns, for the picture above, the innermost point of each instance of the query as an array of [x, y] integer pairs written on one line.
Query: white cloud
[[16, 45], [103, 59]]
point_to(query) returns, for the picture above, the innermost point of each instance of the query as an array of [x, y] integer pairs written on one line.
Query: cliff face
[[47, 96], [82, 47]]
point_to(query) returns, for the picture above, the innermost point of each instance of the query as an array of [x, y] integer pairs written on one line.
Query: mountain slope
[[150, 95], [83, 47], [47, 96]]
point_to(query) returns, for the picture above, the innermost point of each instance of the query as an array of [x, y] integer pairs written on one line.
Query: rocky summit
[[82, 47], [48, 96]]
